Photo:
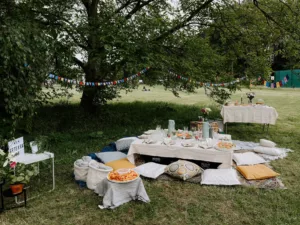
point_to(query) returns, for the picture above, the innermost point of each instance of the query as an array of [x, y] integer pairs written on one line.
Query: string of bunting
[[93, 84], [207, 84], [278, 84], [108, 83]]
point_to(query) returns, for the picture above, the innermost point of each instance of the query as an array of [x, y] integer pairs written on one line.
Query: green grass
[[70, 134]]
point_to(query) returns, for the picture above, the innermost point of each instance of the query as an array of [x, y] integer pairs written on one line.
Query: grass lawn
[[70, 134]]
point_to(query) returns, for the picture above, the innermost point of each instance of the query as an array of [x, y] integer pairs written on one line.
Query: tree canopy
[[101, 40]]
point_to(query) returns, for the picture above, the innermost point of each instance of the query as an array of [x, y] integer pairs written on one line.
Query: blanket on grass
[[271, 183]]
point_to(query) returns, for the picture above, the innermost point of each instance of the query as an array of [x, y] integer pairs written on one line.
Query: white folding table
[[28, 158]]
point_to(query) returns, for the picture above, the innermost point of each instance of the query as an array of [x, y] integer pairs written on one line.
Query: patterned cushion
[[183, 169]]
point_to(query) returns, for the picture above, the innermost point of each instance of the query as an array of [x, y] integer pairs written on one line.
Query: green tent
[[294, 80]]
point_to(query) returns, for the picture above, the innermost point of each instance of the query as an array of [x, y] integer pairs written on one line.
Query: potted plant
[[16, 174], [20, 175]]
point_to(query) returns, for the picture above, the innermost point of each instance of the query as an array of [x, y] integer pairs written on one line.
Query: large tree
[[117, 38]]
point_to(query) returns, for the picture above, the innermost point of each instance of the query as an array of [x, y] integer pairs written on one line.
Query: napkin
[[149, 141]]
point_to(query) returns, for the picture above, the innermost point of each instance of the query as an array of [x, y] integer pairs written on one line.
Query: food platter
[[225, 145], [181, 135], [122, 177]]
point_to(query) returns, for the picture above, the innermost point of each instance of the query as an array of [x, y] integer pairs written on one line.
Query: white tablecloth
[[116, 194], [180, 152], [249, 114]]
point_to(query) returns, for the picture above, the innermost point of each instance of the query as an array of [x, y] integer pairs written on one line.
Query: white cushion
[[151, 169], [248, 158], [124, 143], [267, 143], [268, 151], [106, 157], [220, 177]]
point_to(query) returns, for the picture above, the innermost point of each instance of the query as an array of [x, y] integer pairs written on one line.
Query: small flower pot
[[16, 188]]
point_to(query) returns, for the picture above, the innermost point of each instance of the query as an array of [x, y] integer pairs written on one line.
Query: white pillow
[[248, 158], [124, 143], [220, 177], [107, 157], [268, 151], [267, 143], [151, 170]]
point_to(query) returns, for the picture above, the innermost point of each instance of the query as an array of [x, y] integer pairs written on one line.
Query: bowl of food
[[123, 176], [260, 102]]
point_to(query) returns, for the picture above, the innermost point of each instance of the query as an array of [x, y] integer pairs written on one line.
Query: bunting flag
[[278, 84], [115, 82], [207, 84], [93, 84]]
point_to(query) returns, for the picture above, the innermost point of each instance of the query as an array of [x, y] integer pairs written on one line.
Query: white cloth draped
[[116, 194], [249, 114]]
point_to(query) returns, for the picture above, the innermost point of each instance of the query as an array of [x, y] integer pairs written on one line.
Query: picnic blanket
[[242, 146]]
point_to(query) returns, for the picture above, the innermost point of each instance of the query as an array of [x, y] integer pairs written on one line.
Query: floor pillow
[[120, 164], [256, 172], [124, 143], [183, 169], [106, 157], [151, 170], [268, 150], [267, 143], [220, 177], [248, 158]]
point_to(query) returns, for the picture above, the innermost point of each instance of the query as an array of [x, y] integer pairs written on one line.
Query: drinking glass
[[185, 132], [158, 127]]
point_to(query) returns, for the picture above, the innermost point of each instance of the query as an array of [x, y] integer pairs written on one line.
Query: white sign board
[[16, 147]]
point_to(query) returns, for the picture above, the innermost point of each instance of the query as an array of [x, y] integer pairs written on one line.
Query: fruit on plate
[[118, 176], [225, 145]]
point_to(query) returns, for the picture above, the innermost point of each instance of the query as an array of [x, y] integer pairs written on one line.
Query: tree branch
[[183, 23], [123, 6], [139, 5], [79, 62]]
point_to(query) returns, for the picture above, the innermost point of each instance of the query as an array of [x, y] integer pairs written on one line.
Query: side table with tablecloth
[[260, 114], [116, 194]]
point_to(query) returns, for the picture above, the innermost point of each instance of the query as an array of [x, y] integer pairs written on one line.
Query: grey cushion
[[106, 157], [124, 143]]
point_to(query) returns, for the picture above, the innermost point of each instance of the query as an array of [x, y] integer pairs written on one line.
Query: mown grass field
[[70, 134]]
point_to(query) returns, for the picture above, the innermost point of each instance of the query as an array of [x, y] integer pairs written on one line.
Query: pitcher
[[205, 130], [171, 126]]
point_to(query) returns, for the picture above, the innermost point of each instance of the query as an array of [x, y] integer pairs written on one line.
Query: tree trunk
[[89, 93]]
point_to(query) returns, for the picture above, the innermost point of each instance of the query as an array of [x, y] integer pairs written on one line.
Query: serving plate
[[225, 146], [122, 182], [149, 141], [187, 144]]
